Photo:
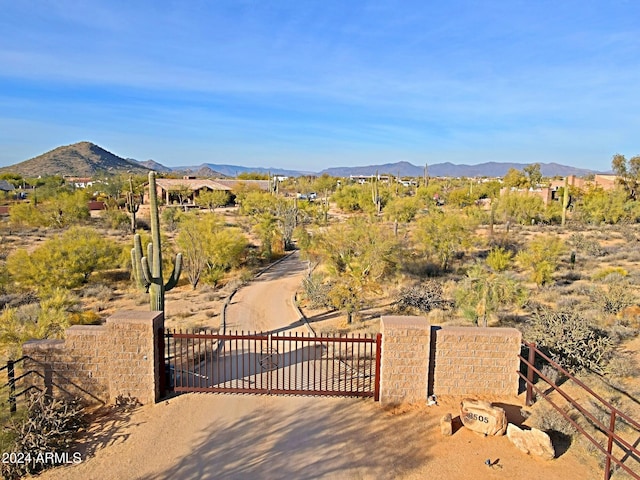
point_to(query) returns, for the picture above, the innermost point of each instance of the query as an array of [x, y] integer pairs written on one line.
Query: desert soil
[[199, 436]]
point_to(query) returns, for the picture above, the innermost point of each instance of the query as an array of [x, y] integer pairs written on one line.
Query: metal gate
[[271, 363]]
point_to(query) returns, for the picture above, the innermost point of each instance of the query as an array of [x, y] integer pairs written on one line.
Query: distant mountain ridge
[[85, 159], [488, 169], [234, 170]]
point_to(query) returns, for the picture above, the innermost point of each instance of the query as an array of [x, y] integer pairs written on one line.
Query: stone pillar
[[404, 368], [135, 362]]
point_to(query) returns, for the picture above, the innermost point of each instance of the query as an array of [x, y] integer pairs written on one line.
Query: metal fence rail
[[16, 381], [272, 363], [629, 450]]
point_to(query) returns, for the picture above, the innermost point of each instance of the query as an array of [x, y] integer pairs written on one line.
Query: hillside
[[82, 159]]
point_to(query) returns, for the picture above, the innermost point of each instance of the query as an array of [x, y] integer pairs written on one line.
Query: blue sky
[[309, 85]]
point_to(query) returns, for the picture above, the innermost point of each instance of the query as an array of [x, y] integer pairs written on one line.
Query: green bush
[[499, 259], [541, 258], [64, 261], [603, 273]]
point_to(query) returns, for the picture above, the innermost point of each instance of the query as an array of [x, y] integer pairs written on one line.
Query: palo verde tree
[[541, 258], [148, 269], [47, 319], [213, 199], [357, 256], [628, 172], [209, 247], [66, 260], [441, 235]]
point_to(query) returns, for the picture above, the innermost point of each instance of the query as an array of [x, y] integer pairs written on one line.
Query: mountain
[[405, 169], [152, 165], [82, 159], [234, 170], [488, 169], [201, 171]]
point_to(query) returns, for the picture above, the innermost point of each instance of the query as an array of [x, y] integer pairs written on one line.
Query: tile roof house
[[168, 188]]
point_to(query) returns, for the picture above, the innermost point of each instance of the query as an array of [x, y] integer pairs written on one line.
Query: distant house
[[362, 179], [185, 190], [6, 187], [544, 193], [606, 182], [80, 182], [550, 193]]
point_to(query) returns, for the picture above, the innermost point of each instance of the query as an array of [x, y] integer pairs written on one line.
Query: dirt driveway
[[266, 303]]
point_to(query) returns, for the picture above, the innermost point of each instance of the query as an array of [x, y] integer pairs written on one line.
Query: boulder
[[533, 442], [446, 425], [482, 417]]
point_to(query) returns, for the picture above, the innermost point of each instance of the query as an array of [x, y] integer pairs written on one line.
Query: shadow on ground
[[323, 439]]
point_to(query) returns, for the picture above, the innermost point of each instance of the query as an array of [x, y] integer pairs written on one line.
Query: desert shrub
[[541, 257], [588, 246], [499, 259], [603, 273], [424, 297], [99, 292], [117, 220], [622, 366], [551, 374], [441, 236], [628, 234], [549, 419], [85, 318], [170, 217], [571, 340], [570, 277], [49, 426], [612, 298], [15, 300], [316, 291]]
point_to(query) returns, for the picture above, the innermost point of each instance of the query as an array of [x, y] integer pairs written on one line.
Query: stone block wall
[[476, 361], [100, 363], [405, 359], [419, 360]]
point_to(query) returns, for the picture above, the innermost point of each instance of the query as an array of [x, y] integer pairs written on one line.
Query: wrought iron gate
[[271, 363]]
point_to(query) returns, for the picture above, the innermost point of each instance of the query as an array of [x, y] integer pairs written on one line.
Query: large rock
[[482, 417], [446, 425], [534, 442]]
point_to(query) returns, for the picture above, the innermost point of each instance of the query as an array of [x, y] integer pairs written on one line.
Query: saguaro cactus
[[133, 204], [148, 270]]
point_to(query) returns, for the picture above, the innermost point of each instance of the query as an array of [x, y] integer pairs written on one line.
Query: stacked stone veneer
[[100, 363], [476, 361], [419, 359], [405, 359]]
